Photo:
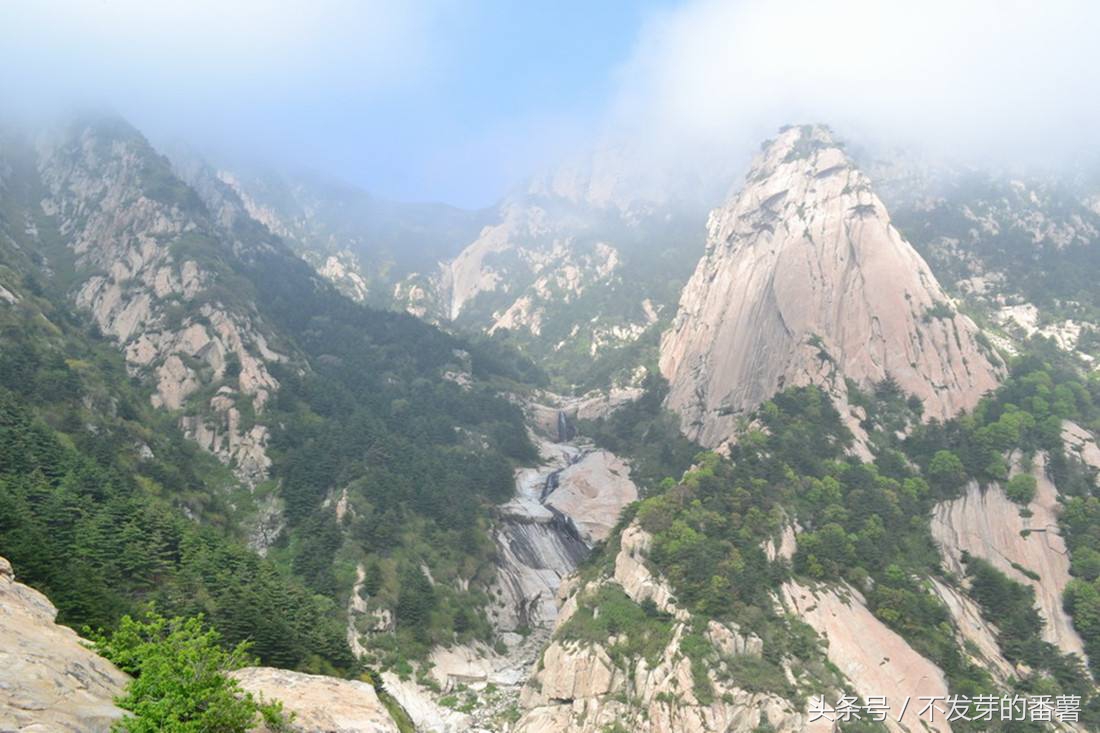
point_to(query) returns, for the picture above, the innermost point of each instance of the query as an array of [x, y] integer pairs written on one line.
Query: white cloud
[[213, 54], [1005, 79]]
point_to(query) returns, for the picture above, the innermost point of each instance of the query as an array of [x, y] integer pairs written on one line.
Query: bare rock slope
[[805, 281], [49, 681], [986, 524], [320, 703]]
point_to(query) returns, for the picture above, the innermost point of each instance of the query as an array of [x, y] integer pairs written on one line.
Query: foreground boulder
[[319, 704], [49, 680]]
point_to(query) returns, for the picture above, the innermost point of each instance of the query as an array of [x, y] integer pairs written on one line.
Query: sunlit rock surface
[[49, 679], [805, 281]]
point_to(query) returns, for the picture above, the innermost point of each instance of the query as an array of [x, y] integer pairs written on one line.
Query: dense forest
[[866, 523], [93, 488], [107, 507]]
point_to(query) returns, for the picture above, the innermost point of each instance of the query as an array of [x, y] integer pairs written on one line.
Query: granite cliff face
[[805, 281], [319, 703], [577, 266], [1016, 244], [361, 243], [146, 270], [51, 681], [985, 523]]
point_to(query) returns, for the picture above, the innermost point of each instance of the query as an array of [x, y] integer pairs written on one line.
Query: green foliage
[[655, 256], [946, 472], [415, 600], [643, 632], [1058, 276], [422, 458], [647, 434], [1021, 488], [868, 523], [93, 484], [938, 310], [180, 678], [1011, 606], [805, 146]]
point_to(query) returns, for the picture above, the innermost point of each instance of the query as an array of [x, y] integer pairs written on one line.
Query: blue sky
[[413, 100], [500, 74], [458, 101]]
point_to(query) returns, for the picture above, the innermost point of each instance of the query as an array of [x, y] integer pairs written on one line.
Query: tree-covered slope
[[190, 386], [789, 508]]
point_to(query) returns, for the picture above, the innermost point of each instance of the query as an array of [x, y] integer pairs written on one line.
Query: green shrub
[[1021, 488], [181, 681]]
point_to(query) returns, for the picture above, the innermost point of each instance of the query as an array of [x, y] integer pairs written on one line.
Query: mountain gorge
[[584, 461], [553, 270]]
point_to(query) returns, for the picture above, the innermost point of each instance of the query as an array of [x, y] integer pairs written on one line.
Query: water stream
[[537, 544]]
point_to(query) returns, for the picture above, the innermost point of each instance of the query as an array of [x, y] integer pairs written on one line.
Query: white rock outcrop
[[579, 687], [805, 281], [1081, 443], [985, 523], [319, 704], [875, 659], [977, 636], [592, 492], [49, 680], [144, 288], [536, 548]]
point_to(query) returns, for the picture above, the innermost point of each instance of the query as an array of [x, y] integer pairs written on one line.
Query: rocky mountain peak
[[805, 280]]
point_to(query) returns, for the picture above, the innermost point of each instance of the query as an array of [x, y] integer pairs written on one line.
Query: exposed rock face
[[362, 244], [974, 630], [592, 492], [875, 659], [805, 281], [49, 681], [537, 547], [986, 524], [1081, 443], [546, 415], [426, 714], [573, 268], [559, 510], [320, 704], [138, 234], [581, 688]]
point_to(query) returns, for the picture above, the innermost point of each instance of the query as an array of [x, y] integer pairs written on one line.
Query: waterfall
[[537, 545], [566, 430]]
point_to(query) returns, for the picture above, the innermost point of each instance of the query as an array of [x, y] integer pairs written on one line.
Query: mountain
[[45, 662], [913, 556], [576, 271], [1018, 247], [363, 244], [805, 281], [156, 317], [830, 475], [573, 270]]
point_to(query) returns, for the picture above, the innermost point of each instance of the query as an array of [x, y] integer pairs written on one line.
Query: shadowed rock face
[[805, 281], [49, 681], [874, 658]]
